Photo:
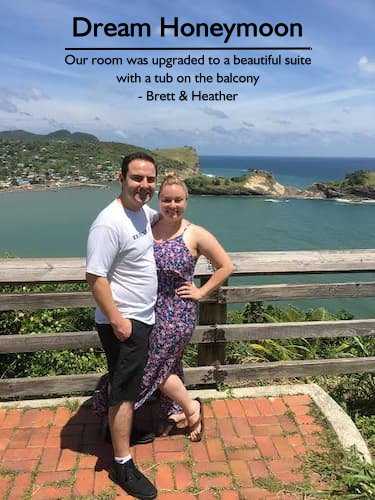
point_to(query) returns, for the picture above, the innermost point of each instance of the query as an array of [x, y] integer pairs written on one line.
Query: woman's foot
[[176, 422], [195, 421], [179, 419]]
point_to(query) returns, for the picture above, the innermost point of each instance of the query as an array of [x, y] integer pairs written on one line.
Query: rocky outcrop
[[264, 183], [363, 192], [256, 183], [260, 183], [320, 190]]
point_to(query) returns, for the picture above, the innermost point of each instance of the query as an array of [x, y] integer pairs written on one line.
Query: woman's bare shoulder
[[200, 232]]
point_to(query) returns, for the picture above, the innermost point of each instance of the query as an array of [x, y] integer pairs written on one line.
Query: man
[[121, 273]]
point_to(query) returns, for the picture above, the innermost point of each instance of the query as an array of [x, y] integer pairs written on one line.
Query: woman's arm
[[206, 244]]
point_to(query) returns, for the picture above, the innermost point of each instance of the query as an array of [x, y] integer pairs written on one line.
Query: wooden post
[[211, 314]]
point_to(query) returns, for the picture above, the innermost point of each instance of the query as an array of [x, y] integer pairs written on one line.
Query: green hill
[[73, 156], [58, 135], [364, 178], [184, 156], [358, 184]]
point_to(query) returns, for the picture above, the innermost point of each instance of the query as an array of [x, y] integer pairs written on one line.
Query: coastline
[[268, 197], [53, 187], [265, 187]]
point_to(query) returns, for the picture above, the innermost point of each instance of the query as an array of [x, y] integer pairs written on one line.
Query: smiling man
[[121, 272]]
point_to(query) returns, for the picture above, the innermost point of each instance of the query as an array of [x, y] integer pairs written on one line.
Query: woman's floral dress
[[174, 323]]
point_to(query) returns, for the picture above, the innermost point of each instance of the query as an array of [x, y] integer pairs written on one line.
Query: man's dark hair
[[136, 156]]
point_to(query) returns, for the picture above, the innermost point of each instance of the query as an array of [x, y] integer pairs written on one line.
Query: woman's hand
[[189, 291]]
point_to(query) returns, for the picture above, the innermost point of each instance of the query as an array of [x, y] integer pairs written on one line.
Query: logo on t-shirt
[[141, 233]]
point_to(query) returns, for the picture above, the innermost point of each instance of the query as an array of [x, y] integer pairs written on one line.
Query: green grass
[[186, 155], [344, 471]]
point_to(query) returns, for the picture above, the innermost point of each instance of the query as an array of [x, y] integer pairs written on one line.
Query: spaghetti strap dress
[[175, 320]]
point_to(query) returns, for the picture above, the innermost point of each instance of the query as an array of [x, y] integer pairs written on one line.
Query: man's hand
[[122, 329]]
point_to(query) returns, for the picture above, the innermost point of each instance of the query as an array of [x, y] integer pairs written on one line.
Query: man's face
[[139, 184]]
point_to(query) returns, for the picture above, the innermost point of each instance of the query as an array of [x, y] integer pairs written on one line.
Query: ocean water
[[55, 223]]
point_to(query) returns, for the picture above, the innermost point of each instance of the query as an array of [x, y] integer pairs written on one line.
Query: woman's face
[[172, 201]]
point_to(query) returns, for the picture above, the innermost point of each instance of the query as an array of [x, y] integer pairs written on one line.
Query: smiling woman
[[177, 246]]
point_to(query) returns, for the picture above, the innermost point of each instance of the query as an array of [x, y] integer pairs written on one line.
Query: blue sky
[[325, 109]]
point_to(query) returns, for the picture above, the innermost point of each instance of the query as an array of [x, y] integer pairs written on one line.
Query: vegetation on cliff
[[185, 156], [358, 184], [214, 185], [254, 182], [359, 178]]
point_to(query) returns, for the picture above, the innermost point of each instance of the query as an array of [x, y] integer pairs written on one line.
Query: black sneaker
[[141, 437], [136, 437], [133, 481]]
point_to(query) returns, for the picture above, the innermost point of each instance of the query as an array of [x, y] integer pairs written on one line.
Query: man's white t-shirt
[[120, 248]]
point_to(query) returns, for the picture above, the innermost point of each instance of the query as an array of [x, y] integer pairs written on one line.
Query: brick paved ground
[[252, 449]]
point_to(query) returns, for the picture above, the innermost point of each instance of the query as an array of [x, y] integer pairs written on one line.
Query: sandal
[[174, 427], [200, 422]]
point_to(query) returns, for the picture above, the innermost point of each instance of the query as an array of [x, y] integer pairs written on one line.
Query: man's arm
[[101, 291], [99, 260], [153, 215]]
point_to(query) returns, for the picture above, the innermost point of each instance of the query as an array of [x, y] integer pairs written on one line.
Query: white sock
[[122, 460]]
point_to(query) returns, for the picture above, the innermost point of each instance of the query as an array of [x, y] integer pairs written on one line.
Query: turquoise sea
[[55, 223]]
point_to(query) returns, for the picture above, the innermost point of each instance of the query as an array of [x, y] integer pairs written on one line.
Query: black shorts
[[126, 360]]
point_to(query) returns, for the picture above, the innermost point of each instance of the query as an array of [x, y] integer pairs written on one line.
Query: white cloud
[[365, 65], [121, 134], [7, 106], [23, 94], [218, 129], [8, 97], [214, 112], [36, 66]]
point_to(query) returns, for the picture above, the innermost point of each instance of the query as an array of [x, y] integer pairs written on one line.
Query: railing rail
[[212, 333], [45, 270]]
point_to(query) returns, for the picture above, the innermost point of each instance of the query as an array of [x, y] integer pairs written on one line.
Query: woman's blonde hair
[[169, 180]]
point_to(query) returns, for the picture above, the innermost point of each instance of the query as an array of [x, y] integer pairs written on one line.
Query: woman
[[177, 246]]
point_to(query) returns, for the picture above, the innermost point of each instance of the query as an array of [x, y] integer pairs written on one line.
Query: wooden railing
[[212, 333]]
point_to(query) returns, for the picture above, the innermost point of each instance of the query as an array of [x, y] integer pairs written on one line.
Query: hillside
[[58, 135], [184, 156], [360, 183], [78, 157]]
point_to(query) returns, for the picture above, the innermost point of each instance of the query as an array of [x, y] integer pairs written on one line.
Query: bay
[[55, 223]]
